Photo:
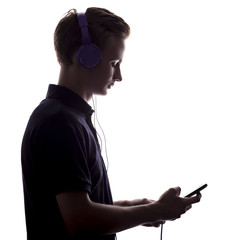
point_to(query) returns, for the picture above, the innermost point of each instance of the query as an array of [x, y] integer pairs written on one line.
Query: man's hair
[[101, 25]]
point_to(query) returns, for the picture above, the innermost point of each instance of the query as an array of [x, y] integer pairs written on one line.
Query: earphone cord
[[161, 231], [96, 119]]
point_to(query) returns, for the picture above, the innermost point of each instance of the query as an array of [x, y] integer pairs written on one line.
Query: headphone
[[89, 54]]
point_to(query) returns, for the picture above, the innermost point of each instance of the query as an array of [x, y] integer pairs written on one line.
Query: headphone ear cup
[[89, 55]]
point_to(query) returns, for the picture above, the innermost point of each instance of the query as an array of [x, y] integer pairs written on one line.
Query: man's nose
[[117, 75]]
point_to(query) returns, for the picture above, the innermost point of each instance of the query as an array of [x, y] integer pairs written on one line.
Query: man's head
[[108, 32], [102, 24]]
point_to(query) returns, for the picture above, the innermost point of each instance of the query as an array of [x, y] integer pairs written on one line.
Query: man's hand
[[172, 206]]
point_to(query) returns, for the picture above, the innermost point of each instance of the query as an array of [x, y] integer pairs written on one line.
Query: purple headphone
[[89, 53]]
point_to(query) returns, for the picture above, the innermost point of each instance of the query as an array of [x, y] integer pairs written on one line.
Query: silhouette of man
[[66, 189]]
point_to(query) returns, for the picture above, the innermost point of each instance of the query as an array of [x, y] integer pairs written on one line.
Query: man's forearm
[[131, 203], [107, 219]]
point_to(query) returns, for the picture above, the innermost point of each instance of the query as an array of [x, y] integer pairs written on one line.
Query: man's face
[[108, 69]]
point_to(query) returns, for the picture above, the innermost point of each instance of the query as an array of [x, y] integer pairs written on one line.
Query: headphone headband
[[83, 24], [88, 54]]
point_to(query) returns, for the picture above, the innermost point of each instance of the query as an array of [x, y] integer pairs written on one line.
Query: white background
[[172, 121]]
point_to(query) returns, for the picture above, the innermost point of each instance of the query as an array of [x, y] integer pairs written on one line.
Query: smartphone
[[196, 191]]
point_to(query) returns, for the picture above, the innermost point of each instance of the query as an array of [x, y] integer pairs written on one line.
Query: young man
[[66, 189]]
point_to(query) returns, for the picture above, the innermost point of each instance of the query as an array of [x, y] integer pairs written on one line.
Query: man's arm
[[137, 202], [80, 214], [130, 203]]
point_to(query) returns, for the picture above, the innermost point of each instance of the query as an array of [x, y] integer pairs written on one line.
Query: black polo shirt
[[60, 153]]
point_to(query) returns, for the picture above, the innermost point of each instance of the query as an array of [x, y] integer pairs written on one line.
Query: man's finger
[[188, 207], [194, 199], [178, 190]]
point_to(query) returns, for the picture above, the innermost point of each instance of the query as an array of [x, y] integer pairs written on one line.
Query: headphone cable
[[104, 136], [161, 231], [96, 120]]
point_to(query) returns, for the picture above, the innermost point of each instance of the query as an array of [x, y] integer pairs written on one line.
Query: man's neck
[[75, 81]]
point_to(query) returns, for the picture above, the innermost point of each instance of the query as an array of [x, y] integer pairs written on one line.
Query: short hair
[[101, 25]]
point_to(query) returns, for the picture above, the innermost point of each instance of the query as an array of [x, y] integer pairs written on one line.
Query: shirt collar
[[70, 98]]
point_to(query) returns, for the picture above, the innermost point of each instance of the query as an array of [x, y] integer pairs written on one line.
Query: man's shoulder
[[52, 114], [53, 108]]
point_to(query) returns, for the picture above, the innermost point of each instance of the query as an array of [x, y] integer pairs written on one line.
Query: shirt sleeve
[[62, 155]]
